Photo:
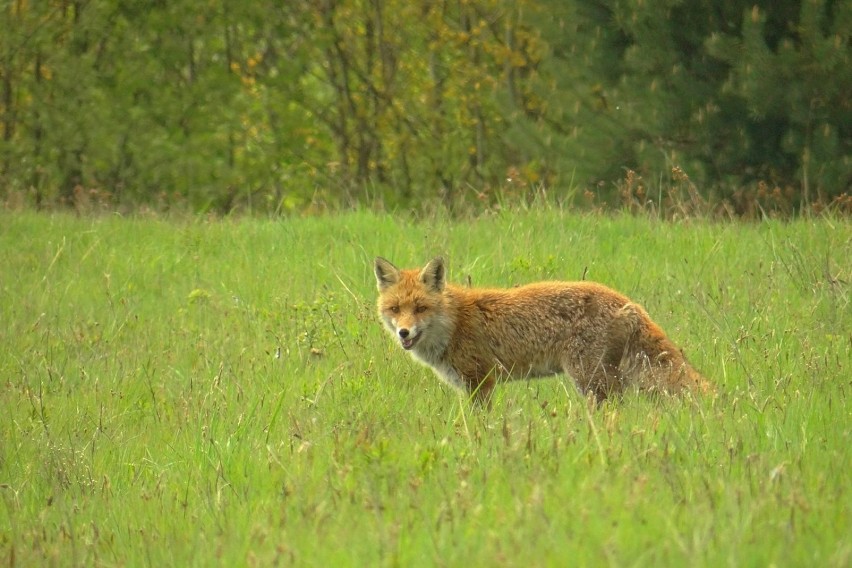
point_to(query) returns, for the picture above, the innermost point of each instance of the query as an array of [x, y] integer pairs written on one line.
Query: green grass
[[197, 393]]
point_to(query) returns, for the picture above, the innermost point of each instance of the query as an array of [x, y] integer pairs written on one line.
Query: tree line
[[267, 105]]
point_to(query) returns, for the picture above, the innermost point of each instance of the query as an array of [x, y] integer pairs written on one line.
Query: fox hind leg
[[600, 379], [479, 392], [599, 372]]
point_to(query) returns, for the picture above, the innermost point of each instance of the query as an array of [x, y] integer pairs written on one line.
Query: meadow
[[195, 392]]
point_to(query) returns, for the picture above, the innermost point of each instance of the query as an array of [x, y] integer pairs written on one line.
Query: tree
[[732, 93], [790, 80], [274, 105]]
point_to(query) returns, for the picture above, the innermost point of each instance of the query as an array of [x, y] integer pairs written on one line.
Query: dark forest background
[[278, 106]]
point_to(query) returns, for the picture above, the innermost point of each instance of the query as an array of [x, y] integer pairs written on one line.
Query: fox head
[[411, 304]]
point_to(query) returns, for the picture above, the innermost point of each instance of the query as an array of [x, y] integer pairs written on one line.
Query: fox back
[[474, 338]]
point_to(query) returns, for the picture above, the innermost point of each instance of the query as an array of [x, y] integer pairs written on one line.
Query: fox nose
[[403, 333]]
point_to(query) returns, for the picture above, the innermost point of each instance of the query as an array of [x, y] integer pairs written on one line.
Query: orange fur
[[475, 337]]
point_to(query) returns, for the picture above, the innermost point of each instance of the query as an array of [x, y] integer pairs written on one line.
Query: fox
[[475, 338]]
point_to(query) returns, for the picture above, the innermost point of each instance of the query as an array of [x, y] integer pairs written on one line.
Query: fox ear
[[386, 273], [433, 274]]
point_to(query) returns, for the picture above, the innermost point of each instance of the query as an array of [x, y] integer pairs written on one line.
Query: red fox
[[473, 338]]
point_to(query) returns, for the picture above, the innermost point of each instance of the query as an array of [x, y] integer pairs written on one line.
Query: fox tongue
[[407, 342]]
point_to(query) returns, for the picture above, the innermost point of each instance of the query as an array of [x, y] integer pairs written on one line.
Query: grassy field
[[220, 392]]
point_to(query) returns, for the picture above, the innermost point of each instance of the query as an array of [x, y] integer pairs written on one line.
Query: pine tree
[[731, 92], [790, 72]]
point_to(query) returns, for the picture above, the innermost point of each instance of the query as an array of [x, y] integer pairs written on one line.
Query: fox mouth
[[409, 342]]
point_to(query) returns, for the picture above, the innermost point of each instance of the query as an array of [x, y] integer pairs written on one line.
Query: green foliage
[[733, 94], [280, 106], [198, 393], [792, 74]]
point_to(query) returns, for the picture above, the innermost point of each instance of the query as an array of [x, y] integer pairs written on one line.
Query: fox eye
[[420, 309], [394, 309]]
